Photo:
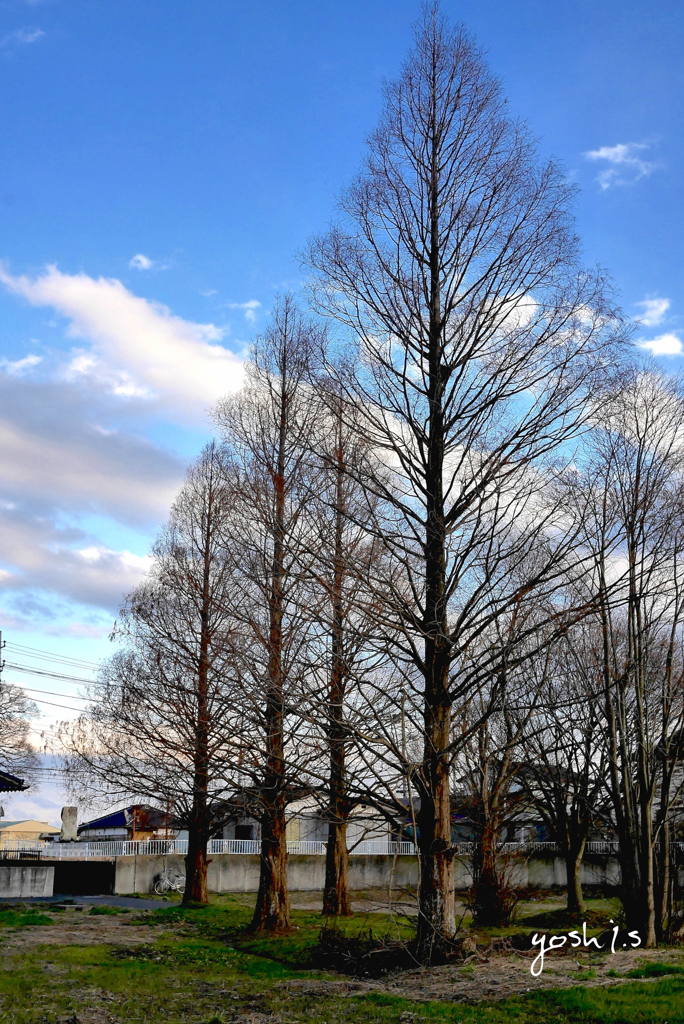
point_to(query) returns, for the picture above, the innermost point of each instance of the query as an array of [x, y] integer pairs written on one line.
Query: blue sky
[[163, 163]]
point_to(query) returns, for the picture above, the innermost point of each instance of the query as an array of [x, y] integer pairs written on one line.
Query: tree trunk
[[336, 895], [647, 928], [663, 886], [198, 832], [272, 910], [336, 902], [573, 869], [436, 908], [486, 882], [196, 864]]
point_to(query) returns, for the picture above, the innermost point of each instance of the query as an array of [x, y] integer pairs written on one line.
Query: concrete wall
[[22, 881], [240, 873], [138, 874]]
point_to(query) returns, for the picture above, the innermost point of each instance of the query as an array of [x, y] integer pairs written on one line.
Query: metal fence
[[8, 854], [606, 848], [161, 847]]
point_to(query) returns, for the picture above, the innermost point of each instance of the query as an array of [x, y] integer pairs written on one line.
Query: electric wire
[[43, 672], [52, 693], [40, 655], [52, 704]]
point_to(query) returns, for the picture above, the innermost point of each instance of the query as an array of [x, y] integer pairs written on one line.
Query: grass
[[226, 918], [11, 917], [102, 910], [199, 966], [638, 1003]]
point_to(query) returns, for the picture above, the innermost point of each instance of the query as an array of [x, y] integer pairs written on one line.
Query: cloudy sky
[[162, 164]]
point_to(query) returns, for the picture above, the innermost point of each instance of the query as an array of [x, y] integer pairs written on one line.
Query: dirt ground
[[486, 976], [489, 977], [76, 928]]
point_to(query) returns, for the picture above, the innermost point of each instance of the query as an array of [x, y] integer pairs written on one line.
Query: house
[[139, 821], [29, 829], [307, 823], [11, 784]]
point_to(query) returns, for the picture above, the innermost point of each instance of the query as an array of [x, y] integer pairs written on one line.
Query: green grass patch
[[655, 970], [20, 918], [198, 965], [227, 920], [632, 1003]]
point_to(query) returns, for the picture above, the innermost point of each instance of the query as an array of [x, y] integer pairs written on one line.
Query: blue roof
[[123, 817], [10, 783], [117, 819]]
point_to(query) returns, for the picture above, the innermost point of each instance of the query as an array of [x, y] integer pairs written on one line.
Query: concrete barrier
[[24, 881], [229, 872]]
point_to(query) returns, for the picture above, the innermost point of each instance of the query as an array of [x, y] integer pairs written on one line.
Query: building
[[29, 829], [139, 821], [11, 784], [307, 822]]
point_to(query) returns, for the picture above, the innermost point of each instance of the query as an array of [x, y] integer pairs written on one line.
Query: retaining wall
[[23, 881], [230, 872]]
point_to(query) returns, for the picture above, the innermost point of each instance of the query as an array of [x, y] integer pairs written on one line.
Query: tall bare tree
[[475, 340], [637, 536], [163, 715], [266, 430], [343, 553]]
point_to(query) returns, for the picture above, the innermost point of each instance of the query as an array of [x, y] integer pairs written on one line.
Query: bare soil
[[76, 929], [487, 975]]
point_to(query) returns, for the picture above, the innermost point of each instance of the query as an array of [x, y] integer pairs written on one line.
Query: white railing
[[31, 845], [606, 848], [179, 847], [379, 847], [252, 846]]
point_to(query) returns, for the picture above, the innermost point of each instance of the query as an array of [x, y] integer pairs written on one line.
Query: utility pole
[[2, 663]]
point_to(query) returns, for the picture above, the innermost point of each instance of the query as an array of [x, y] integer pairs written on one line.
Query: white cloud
[[94, 576], [653, 311], [137, 348], [140, 262], [664, 345], [51, 457], [20, 366], [127, 560], [625, 163], [249, 308], [22, 37]]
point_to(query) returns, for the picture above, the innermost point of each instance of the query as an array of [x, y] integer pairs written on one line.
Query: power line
[[53, 705], [51, 675], [52, 693], [40, 655]]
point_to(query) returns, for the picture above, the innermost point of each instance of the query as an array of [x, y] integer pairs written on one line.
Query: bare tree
[[341, 556], [637, 537], [565, 763], [475, 343], [162, 716], [492, 761], [17, 753], [266, 431]]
